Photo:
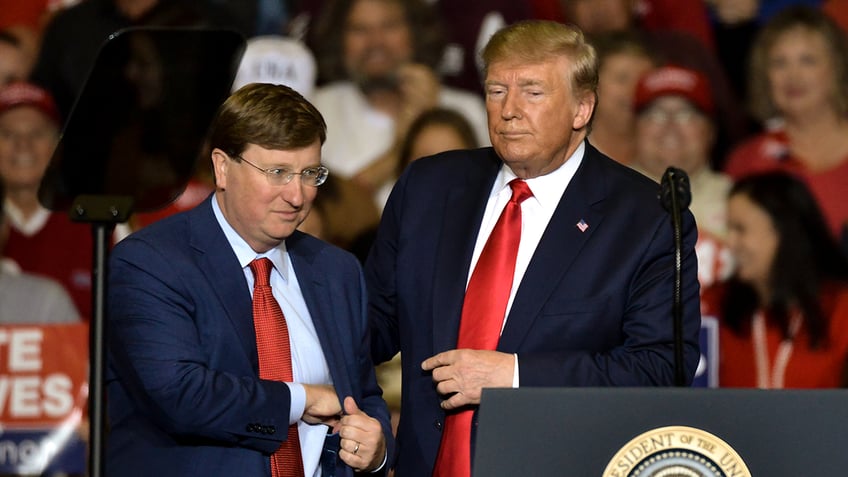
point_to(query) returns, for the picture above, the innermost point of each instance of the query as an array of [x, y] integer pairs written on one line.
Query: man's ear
[[220, 164], [585, 108]]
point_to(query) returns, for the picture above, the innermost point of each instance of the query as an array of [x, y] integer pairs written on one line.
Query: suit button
[[437, 424], [271, 430], [250, 428]]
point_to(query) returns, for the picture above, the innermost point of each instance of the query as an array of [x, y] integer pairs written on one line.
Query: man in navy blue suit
[[592, 291], [184, 390]]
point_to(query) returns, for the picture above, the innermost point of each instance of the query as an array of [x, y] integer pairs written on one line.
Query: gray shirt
[[31, 299]]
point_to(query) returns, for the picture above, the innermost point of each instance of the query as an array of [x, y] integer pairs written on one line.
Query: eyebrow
[[522, 83]]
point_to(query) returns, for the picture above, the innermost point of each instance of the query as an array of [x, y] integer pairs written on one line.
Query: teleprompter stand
[[130, 144]]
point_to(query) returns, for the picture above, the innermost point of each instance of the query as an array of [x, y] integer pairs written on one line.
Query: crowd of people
[[564, 113]]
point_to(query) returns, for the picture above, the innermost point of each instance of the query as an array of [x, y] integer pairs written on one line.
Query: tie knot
[[520, 191], [261, 268]]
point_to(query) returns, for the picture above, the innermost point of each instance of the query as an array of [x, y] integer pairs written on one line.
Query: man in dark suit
[[187, 384], [589, 301]]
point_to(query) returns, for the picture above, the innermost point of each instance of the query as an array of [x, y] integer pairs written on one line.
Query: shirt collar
[[547, 189], [27, 227], [244, 253]]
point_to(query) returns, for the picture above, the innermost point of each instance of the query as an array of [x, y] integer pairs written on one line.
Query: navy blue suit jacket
[[594, 307], [183, 389]]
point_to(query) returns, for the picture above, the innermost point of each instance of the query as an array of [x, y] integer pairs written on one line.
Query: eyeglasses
[[311, 176], [662, 116]]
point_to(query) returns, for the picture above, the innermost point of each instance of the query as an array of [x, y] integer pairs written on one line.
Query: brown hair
[[267, 115], [2, 204], [629, 42], [327, 38], [433, 117], [799, 17]]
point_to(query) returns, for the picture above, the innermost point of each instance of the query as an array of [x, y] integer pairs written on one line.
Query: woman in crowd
[[623, 58], [799, 90], [435, 130], [784, 313]]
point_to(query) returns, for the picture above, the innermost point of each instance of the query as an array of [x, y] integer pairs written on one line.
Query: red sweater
[[61, 250]]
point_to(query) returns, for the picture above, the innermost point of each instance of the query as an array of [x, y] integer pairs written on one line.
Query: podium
[[649, 432]]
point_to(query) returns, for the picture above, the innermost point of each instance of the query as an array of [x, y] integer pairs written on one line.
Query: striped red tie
[[482, 319], [272, 344]]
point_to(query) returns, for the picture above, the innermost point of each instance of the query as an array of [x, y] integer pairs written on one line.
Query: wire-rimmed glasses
[[311, 176]]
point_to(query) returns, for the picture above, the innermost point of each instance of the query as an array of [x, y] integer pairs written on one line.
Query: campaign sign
[[43, 398], [707, 374]]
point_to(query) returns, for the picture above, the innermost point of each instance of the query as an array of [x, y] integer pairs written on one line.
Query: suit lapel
[[463, 207], [226, 278], [560, 245], [312, 280]]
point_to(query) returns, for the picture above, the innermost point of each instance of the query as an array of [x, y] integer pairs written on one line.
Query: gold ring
[[356, 449]]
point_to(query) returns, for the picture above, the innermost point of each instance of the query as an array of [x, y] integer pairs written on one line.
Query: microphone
[[675, 187], [675, 197]]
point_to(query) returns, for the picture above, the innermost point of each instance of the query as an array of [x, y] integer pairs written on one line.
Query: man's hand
[[322, 405], [465, 372], [363, 445], [420, 88]]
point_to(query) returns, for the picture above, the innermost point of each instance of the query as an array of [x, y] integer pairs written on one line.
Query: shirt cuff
[[298, 402], [515, 373], [385, 458]]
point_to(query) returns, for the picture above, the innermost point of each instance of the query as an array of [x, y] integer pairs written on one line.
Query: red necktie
[[482, 319], [272, 344]]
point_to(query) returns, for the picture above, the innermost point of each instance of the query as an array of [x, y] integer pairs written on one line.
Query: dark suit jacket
[[594, 308], [183, 389]]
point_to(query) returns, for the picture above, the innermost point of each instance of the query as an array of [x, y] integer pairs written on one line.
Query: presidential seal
[[676, 451]]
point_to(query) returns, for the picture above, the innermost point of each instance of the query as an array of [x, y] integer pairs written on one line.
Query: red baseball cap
[[674, 80], [20, 93]]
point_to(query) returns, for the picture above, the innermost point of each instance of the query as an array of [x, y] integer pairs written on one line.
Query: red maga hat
[[19, 94], [674, 80]]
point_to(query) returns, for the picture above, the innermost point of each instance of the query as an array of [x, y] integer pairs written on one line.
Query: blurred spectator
[[799, 89], [26, 298], [784, 313], [688, 17], [675, 129], [380, 59], [32, 14], [74, 35], [838, 10], [735, 24], [277, 59], [758, 11], [467, 26], [623, 57], [672, 46], [41, 242], [13, 61], [346, 212], [433, 131]]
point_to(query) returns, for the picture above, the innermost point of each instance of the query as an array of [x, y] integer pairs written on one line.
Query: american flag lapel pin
[[582, 225]]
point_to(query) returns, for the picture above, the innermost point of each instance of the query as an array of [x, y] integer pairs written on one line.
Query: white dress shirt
[[308, 363], [536, 213]]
